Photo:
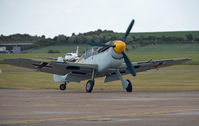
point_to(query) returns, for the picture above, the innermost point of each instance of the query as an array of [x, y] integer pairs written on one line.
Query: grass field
[[134, 56], [143, 81], [60, 48], [164, 51], [164, 48], [154, 52], [167, 48]]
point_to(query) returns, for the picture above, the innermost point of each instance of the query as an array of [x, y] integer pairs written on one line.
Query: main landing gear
[[90, 84], [62, 86], [130, 87], [126, 84]]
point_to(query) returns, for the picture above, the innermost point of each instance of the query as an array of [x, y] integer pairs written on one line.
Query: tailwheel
[[130, 87], [62, 86], [89, 86]]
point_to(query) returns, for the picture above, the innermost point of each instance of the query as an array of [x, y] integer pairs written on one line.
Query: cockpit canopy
[[95, 50], [68, 54]]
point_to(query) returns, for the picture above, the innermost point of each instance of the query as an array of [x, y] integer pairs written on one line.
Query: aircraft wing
[[143, 66], [53, 67], [43, 57], [77, 72]]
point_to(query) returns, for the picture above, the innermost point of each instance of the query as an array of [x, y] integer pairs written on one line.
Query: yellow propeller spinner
[[120, 46]]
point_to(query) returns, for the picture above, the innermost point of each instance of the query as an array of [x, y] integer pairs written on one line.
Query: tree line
[[102, 36]]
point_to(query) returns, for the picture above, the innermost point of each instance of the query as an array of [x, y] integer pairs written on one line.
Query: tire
[[62, 87], [89, 86], [130, 87]]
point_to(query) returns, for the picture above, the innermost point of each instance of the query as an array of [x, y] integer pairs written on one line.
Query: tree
[[189, 37], [43, 36]]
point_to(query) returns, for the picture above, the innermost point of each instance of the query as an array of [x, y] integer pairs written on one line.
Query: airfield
[[156, 100], [168, 96], [53, 107]]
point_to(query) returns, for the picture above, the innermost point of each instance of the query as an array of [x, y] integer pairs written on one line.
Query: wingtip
[[189, 58], [7, 61]]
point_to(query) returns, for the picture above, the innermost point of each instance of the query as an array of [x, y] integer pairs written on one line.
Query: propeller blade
[[129, 64], [128, 30], [101, 45]]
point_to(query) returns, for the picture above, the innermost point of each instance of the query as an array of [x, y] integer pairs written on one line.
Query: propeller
[[126, 59], [128, 30], [119, 47], [129, 64]]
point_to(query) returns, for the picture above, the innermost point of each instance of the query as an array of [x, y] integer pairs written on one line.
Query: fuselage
[[104, 57]]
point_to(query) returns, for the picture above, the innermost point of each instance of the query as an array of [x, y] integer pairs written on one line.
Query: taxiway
[[53, 107]]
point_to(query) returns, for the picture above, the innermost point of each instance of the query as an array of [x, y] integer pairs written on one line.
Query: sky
[[54, 17]]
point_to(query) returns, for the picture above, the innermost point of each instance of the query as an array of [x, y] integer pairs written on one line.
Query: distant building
[[3, 50], [16, 46], [16, 49]]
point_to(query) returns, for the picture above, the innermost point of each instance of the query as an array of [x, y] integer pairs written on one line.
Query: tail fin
[[77, 50]]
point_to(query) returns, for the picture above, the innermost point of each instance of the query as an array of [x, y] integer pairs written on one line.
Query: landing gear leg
[[90, 84], [126, 84], [62, 86]]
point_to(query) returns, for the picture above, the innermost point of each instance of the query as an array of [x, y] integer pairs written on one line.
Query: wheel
[[62, 86], [89, 86], [130, 87]]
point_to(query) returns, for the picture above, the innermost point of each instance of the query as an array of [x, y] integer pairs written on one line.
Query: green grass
[[61, 48], [166, 48], [157, 56], [150, 48], [29, 56], [149, 81], [11, 67], [181, 67], [143, 81], [134, 56], [27, 80], [167, 81], [155, 52]]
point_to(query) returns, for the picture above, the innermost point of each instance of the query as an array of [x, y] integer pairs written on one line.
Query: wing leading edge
[[53, 67], [83, 71], [143, 66]]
